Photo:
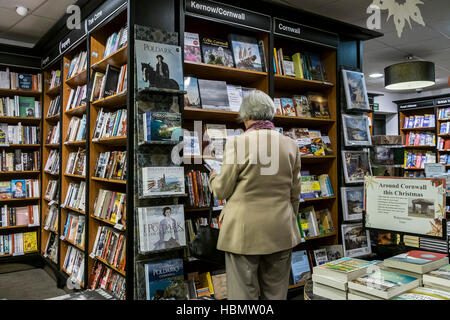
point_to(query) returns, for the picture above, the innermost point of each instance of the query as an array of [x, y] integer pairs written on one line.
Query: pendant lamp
[[409, 75]]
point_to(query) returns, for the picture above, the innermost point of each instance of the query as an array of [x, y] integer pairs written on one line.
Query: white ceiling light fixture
[[376, 75], [22, 11]]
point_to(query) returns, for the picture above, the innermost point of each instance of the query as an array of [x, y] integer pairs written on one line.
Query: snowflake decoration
[[436, 228], [440, 212], [370, 181], [401, 13]]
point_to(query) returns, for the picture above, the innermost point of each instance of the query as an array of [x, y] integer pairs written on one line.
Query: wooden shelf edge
[[123, 273], [109, 180]]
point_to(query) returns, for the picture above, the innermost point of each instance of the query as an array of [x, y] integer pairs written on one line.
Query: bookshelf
[[11, 173], [50, 120], [110, 104], [78, 109]]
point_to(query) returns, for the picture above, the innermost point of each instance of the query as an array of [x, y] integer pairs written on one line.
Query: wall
[[386, 105]]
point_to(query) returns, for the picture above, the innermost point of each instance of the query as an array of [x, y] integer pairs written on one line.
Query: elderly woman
[[260, 179]]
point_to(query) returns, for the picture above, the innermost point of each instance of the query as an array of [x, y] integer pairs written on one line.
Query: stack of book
[[420, 139], [304, 65], [52, 191], [112, 82], [310, 142], [445, 128], [443, 144], [110, 124], [198, 189], [76, 163], [18, 243], [20, 81], [55, 107], [312, 105], [116, 41], [53, 134], [444, 113], [313, 224], [424, 293], [18, 134], [76, 196], [77, 64], [20, 107], [424, 121], [111, 206], [106, 279], [111, 165], [77, 97], [74, 264], [55, 79], [330, 280], [110, 246], [315, 186], [19, 161], [52, 164], [74, 229], [19, 188], [51, 219], [19, 216], [77, 129], [418, 159]]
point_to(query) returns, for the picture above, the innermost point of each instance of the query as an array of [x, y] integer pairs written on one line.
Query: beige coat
[[260, 214]]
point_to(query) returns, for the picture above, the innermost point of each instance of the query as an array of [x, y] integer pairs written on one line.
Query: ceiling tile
[[12, 4], [33, 26], [53, 9], [420, 48], [442, 26], [418, 33], [435, 10], [8, 17]]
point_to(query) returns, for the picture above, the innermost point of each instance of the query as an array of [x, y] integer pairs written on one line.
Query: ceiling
[[26, 31], [430, 42]]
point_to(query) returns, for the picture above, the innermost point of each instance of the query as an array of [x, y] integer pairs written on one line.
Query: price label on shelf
[[45, 228], [92, 255], [51, 202], [118, 226], [62, 238], [33, 225], [63, 205], [95, 140], [45, 255], [18, 254]]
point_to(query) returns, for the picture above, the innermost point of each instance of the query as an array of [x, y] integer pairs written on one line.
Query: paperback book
[[164, 280], [158, 181]]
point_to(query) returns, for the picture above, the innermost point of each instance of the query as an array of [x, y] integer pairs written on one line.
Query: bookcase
[[50, 238], [16, 144]]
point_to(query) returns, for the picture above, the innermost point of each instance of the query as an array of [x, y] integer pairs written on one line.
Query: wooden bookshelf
[[76, 80], [293, 83], [25, 174], [98, 63], [49, 95]]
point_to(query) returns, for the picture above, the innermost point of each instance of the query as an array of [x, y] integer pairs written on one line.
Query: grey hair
[[256, 105]]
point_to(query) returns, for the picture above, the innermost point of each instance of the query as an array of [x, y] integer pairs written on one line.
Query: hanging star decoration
[[401, 13]]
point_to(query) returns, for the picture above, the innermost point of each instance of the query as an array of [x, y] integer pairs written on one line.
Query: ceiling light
[[376, 75], [22, 11], [409, 75]]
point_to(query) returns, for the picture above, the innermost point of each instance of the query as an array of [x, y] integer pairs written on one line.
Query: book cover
[[191, 143], [356, 240], [442, 272], [162, 126], [305, 146], [25, 81], [317, 69], [18, 188], [112, 77], [158, 65], [26, 107], [29, 242], [163, 227], [213, 94], [383, 280], [192, 96], [345, 265], [326, 145], [318, 106], [217, 51], [4, 140], [192, 47], [423, 293], [418, 257], [300, 267], [246, 52], [278, 109], [288, 108], [303, 107], [234, 97], [157, 181], [164, 280]]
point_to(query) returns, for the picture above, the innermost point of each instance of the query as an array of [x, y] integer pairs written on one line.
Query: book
[[96, 87], [25, 81], [302, 106], [161, 228], [383, 284], [328, 292], [423, 293], [318, 105], [157, 181], [417, 261], [110, 79], [213, 94], [344, 269], [439, 277], [234, 97], [246, 52], [192, 50], [287, 106], [309, 222], [192, 95], [191, 144], [158, 65], [164, 280], [27, 107], [300, 267], [161, 126], [217, 51]]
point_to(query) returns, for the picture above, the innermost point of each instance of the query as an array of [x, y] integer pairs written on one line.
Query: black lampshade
[[409, 75]]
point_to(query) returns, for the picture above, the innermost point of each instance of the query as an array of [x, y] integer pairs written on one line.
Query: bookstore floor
[[27, 284]]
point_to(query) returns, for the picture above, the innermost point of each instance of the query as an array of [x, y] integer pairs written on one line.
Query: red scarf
[[261, 124]]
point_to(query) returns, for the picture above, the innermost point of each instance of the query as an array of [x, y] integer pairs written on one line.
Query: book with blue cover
[[300, 267], [164, 280], [25, 81]]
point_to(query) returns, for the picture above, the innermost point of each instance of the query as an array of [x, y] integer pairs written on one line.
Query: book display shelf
[[51, 177], [20, 162]]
